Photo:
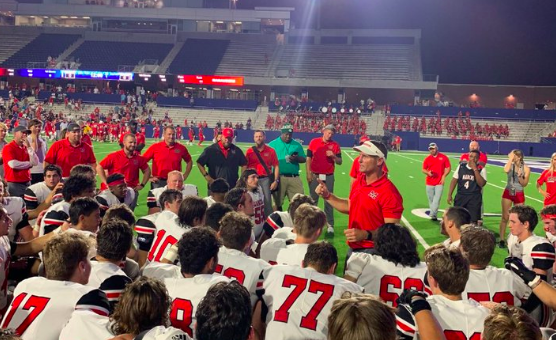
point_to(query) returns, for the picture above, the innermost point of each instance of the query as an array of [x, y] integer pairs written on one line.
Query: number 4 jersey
[[299, 301]]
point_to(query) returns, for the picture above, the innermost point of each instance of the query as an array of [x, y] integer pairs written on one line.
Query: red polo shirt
[[370, 204], [437, 165], [166, 158], [320, 163], [10, 152], [354, 172], [269, 157], [483, 159], [66, 156], [119, 162], [139, 137]]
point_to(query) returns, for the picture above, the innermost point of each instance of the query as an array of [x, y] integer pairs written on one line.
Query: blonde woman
[[518, 178], [549, 177]]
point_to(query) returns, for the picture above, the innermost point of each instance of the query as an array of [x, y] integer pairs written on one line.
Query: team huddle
[[78, 264]]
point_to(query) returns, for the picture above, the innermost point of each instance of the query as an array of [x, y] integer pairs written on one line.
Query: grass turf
[[405, 172]]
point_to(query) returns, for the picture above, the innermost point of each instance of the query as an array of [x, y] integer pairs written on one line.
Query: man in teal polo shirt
[[290, 153]]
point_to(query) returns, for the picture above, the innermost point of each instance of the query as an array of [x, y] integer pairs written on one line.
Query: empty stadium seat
[[199, 56], [40, 48]]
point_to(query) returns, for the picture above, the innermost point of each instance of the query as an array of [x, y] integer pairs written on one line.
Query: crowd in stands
[[289, 103], [314, 122], [460, 127]]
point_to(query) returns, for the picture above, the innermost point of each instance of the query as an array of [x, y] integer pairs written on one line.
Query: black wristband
[[369, 236], [419, 305]]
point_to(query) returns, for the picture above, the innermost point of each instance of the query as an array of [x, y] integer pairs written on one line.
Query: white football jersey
[[145, 229], [293, 254], [536, 253], [54, 217], [258, 208], [161, 271], [186, 294], [270, 249], [246, 270], [107, 199], [109, 278], [299, 301], [386, 279], [210, 201], [451, 245], [165, 333], [86, 325], [5, 258], [496, 285], [168, 232], [463, 319], [154, 194], [15, 207], [277, 221], [42, 307], [35, 195]]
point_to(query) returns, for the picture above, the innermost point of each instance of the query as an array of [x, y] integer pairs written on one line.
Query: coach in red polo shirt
[[267, 180], [126, 162], [18, 158], [322, 156], [373, 199], [69, 152], [140, 144], [436, 166], [167, 156]]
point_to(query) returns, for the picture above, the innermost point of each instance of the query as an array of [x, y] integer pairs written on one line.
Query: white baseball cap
[[368, 148]]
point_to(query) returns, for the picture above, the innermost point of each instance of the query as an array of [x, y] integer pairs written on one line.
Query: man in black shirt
[[223, 159], [469, 180]]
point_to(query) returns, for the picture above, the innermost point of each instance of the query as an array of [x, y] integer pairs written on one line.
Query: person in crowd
[[118, 192], [39, 196], [548, 177], [290, 154], [167, 156], [395, 262], [263, 159], [3, 143], [373, 200], [15, 206], [250, 180], [483, 159], [174, 181], [436, 167], [518, 178], [453, 221], [18, 158], [322, 156], [240, 200], [509, 322], [38, 144], [69, 152], [470, 181], [223, 160], [140, 137], [218, 190]]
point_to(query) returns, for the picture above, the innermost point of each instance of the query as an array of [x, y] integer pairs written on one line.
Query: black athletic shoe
[[502, 244], [434, 219]]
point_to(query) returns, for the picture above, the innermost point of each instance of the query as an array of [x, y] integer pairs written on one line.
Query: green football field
[[405, 172]]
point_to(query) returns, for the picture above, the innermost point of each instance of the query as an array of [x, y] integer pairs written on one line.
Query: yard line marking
[[348, 155], [415, 233], [410, 176]]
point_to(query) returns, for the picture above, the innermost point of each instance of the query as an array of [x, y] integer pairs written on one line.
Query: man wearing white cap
[[436, 166], [322, 155], [373, 199]]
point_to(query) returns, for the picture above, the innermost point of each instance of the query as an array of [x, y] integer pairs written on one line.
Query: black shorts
[[472, 203]]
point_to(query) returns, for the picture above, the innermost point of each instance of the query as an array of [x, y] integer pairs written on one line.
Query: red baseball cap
[[363, 139], [227, 133]]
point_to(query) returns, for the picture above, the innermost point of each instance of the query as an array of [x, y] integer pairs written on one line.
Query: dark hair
[[170, 196], [320, 256], [526, 213], [82, 206], [219, 186], [52, 167], [448, 267], [191, 207], [297, 200], [259, 131], [224, 313], [81, 170], [242, 181], [196, 247], [477, 245], [34, 122], [75, 186], [114, 240], [458, 215], [381, 147], [166, 127], [394, 243], [476, 151], [114, 177], [215, 213], [235, 230], [235, 197], [119, 212]]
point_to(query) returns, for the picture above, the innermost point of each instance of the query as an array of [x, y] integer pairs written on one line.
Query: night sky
[[509, 42]]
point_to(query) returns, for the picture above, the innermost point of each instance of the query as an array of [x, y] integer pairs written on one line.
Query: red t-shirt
[[482, 159], [139, 138], [550, 180], [354, 172], [320, 163], [12, 151], [269, 157], [119, 162], [66, 156], [87, 140], [437, 165], [166, 158], [370, 204]]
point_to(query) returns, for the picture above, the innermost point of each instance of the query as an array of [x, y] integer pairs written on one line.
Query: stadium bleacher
[[199, 56], [11, 43], [248, 58]]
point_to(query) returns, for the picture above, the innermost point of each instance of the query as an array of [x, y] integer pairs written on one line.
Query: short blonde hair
[[308, 219], [3, 126], [509, 322], [62, 255], [361, 317]]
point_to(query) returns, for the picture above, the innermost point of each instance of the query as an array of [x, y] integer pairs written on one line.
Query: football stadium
[[263, 169]]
